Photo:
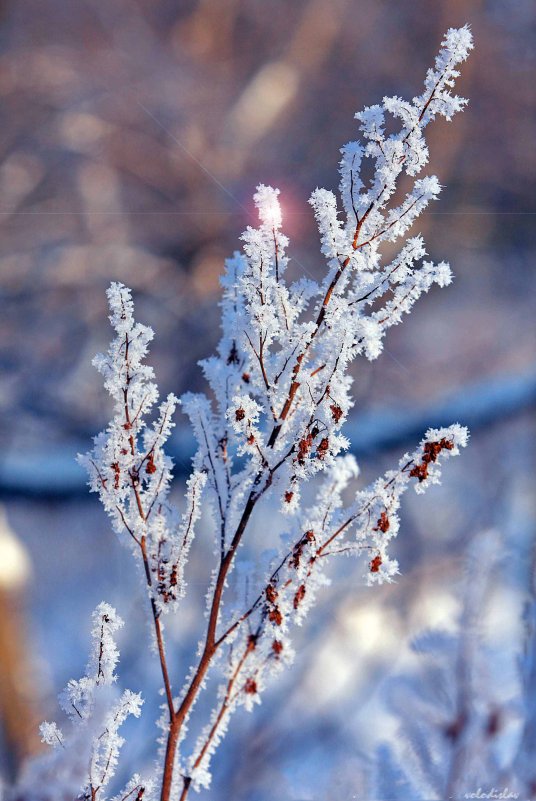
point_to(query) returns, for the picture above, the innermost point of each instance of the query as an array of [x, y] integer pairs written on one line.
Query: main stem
[[178, 718], [211, 645]]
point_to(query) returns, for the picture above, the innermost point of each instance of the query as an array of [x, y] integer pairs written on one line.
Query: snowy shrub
[[280, 393], [84, 757]]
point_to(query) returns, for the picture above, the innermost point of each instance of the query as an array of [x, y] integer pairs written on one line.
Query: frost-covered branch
[[84, 757], [128, 466], [272, 420]]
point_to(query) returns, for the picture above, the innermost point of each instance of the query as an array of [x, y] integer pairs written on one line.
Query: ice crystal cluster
[[85, 754], [128, 466], [279, 395]]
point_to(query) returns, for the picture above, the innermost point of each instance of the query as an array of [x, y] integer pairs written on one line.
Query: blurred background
[[133, 135]]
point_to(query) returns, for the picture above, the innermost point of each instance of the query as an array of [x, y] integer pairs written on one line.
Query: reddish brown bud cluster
[[298, 549], [336, 412], [288, 496], [167, 595], [150, 467], [271, 593], [420, 471], [250, 440], [239, 414], [127, 426], [383, 523], [304, 446], [300, 595], [250, 687], [375, 564], [166, 587], [117, 473], [323, 448], [245, 378], [430, 454], [277, 647], [275, 616]]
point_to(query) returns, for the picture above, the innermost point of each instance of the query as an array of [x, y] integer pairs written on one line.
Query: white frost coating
[[272, 420], [282, 388], [85, 755], [128, 466]]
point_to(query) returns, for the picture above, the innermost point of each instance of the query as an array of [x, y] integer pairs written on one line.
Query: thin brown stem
[[185, 787], [158, 633], [225, 703], [210, 647], [142, 542]]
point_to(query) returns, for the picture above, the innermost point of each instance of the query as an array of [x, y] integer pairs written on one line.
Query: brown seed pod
[[300, 595], [375, 564], [277, 647], [275, 616], [383, 523]]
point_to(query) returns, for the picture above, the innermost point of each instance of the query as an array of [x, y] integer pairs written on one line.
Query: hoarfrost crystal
[[272, 421]]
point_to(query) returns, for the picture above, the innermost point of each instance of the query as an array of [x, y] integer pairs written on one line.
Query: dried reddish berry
[[117, 473], [288, 496], [300, 595], [296, 556], [275, 616], [245, 378], [240, 414], [383, 523], [298, 549], [250, 687], [430, 453], [271, 593], [304, 446], [375, 564], [150, 466], [420, 471], [323, 448], [336, 412], [277, 647], [251, 440]]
